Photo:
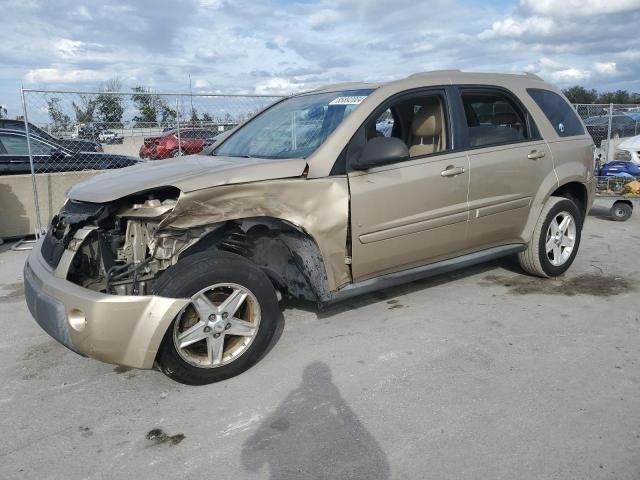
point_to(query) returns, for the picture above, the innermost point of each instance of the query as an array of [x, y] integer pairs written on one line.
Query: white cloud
[[549, 64], [605, 68], [274, 47], [55, 75], [570, 75], [277, 86], [68, 48], [323, 18], [513, 27], [201, 84], [83, 13], [569, 8]]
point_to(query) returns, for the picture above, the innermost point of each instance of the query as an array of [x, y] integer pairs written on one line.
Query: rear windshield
[[563, 118]]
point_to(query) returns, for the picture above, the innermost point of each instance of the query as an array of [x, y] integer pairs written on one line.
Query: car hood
[[193, 172], [632, 143]]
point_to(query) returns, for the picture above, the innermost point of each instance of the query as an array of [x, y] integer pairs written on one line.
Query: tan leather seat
[[426, 130]]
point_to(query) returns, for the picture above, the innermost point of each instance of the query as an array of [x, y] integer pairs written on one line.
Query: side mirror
[[381, 151]]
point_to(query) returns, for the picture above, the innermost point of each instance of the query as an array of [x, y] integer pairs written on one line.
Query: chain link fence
[[609, 125], [66, 137]]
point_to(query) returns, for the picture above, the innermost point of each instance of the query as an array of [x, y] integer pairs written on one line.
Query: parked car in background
[[622, 125], [49, 156], [90, 132], [192, 140], [72, 144], [109, 137], [629, 150], [182, 263]]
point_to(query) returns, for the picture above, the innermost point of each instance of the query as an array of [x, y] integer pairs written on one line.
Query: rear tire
[[621, 211], [551, 252], [224, 343]]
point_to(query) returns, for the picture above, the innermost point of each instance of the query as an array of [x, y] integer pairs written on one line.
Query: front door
[[415, 211]]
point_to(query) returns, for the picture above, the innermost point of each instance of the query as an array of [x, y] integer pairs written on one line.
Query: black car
[[622, 125], [51, 157], [72, 144]]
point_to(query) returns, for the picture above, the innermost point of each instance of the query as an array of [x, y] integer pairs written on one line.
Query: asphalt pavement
[[484, 374]]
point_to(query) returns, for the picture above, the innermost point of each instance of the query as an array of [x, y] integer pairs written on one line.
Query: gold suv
[[324, 195]]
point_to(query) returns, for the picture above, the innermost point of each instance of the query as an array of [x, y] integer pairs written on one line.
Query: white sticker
[[353, 100]]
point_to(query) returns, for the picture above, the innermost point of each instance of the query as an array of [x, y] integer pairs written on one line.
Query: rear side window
[[562, 117], [493, 119]]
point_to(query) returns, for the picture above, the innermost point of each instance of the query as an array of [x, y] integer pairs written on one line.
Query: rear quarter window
[[559, 113]]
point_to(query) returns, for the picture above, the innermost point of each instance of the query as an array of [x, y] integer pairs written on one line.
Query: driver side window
[[419, 121]]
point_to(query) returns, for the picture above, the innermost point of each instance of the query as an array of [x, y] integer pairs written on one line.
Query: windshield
[[38, 131], [293, 128]]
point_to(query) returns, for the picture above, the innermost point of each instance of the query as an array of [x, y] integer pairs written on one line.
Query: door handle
[[535, 155], [452, 171]]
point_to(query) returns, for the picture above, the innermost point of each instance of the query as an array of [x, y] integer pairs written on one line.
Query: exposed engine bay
[[125, 252], [127, 248]]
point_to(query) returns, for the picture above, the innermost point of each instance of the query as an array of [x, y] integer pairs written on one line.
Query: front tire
[[555, 240], [228, 324]]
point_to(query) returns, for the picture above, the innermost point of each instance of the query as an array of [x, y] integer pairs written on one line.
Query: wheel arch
[[575, 191], [288, 254], [572, 188]]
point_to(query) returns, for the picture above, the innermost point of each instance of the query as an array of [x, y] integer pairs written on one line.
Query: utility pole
[[191, 93]]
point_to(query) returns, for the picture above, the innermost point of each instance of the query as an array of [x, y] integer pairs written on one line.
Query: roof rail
[[431, 72], [533, 76]]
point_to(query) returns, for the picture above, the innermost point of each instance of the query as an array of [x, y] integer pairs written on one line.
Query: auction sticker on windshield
[[352, 100]]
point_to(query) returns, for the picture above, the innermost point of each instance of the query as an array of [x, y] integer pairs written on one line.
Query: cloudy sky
[[279, 46]]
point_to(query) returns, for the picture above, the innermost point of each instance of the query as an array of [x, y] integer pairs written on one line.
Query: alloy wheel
[[560, 239], [217, 326]]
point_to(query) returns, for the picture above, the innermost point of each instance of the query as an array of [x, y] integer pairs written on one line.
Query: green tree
[[84, 109], [207, 118], [149, 106], [168, 115], [59, 119], [194, 115], [578, 94], [110, 105]]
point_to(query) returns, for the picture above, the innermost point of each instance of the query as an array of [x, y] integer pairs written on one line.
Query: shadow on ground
[[315, 434]]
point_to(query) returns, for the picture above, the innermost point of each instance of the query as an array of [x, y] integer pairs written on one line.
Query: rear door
[[508, 160], [415, 211]]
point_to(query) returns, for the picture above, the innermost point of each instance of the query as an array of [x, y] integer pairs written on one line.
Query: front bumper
[[117, 329]]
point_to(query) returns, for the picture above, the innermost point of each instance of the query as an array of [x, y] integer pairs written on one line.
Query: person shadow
[[314, 434]]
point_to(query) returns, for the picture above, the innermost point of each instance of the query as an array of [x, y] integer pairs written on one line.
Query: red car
[[192, 140]]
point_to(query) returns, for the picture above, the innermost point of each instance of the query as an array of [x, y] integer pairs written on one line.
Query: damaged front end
[[121, 250], [122, 247], [91, 281]]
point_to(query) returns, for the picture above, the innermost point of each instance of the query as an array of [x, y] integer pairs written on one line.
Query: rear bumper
[[122, 330]]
